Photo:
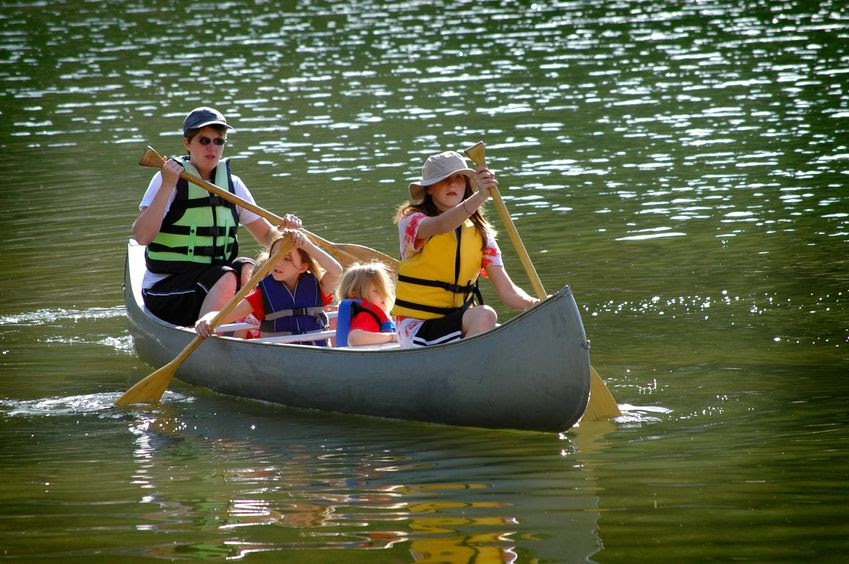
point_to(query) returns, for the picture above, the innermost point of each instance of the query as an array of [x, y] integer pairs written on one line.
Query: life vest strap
[[443, 311], [455, 288], [314, 311], [201, 231], [196, 251]]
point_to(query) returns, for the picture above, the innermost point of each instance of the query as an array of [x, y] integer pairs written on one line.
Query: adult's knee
[[221, 292], [226, 283]]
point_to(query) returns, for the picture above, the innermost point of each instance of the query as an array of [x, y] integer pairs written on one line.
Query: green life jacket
[[199, 227]]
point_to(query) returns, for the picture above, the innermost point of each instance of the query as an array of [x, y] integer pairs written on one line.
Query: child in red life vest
[[365, 296], [290, 300]]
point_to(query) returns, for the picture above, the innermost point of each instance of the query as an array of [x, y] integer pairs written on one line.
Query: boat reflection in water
[[255, 478]]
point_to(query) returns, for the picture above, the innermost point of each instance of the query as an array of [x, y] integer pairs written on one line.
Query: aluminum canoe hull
[[532, 372]]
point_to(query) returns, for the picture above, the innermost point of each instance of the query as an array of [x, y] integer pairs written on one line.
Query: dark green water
[[682, 165]]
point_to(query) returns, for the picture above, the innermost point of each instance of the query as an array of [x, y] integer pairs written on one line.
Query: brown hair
[[276, 235]]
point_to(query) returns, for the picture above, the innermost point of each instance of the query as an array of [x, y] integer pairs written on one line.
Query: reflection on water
[[253, 474], [681, 165]]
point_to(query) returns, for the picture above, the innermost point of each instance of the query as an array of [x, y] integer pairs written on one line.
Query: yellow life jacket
[[442, 277]]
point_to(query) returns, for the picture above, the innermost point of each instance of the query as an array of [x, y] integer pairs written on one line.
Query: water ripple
[[52, 316]]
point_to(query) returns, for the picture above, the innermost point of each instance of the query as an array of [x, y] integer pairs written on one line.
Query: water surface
[[681, 165]]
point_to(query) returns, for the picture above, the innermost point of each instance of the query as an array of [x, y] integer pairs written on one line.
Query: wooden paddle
[[601, 404], [345, 253], [151, 388]]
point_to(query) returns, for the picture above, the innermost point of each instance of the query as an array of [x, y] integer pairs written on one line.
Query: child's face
[[449, 192], [288, 268], [376, 297]]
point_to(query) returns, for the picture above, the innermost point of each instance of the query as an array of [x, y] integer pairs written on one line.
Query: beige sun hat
[[439, 167]]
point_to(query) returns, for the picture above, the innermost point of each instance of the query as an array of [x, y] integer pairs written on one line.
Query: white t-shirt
[[245, 216]]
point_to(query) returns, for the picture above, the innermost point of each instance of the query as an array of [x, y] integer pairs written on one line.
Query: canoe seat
[[314, 336], [228, 329]]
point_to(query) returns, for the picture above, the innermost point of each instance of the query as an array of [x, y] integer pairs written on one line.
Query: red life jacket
[[349, 309]]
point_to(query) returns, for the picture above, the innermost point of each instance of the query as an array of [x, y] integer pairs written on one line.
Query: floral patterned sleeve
[[408, 226], [491, 255]]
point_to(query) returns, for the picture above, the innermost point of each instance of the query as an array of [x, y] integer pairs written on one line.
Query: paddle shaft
[[151, 388], [154, 160], [513, 233]]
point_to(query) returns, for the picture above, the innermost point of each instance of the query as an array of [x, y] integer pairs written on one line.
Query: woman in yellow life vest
[[445, 245], [190, 234]]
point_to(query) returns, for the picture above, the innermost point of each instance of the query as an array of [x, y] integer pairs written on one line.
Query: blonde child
[[365, 297], [290, 300]]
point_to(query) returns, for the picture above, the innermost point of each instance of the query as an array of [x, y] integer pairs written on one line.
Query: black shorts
[[440, 330], [178, 298]]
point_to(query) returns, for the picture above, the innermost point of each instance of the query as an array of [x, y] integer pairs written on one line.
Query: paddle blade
[[601, 404], [363, 254], [151, 388], [476, 153]]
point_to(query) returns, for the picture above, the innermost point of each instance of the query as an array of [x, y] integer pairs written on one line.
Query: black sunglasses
[[204, 140]]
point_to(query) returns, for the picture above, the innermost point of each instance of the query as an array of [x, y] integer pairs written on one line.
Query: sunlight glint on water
[[681, 166]]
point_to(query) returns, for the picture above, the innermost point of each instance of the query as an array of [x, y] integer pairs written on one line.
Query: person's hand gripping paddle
[[151, 388], [601, 404]]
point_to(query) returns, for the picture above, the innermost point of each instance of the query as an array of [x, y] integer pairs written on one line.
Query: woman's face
[[448, 192], [204, 149]]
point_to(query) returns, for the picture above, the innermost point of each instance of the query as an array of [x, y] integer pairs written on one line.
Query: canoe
[[532, 372]]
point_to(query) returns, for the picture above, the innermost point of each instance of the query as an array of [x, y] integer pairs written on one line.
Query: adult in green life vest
[[192, 253]]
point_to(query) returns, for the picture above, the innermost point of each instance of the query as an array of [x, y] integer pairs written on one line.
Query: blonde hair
[[276, 235], [357, 278]]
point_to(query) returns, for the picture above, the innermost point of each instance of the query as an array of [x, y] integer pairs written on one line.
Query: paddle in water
[[601, 404], [345, 253], [151, 388]]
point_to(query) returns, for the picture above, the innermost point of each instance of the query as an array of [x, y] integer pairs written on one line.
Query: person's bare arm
[[260, 229], [202, 327], [451, 219], [358, 337], [508, 292], [149, 221]]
